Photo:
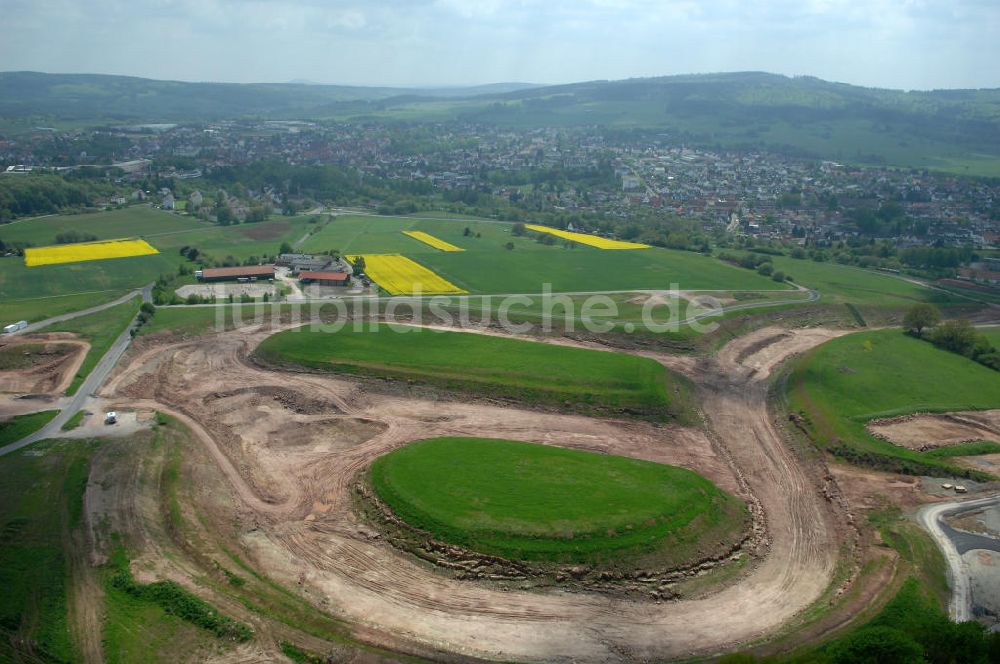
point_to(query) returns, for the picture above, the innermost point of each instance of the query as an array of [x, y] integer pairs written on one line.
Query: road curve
[[34, 327], [960, 606], [93, 381]]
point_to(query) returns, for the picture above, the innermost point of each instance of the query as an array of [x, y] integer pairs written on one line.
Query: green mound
[[492, 366], [534, 502], [840, 386]]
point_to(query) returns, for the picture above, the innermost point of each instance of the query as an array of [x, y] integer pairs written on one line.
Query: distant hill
[[957, 130], [954, 130], [102, 98]]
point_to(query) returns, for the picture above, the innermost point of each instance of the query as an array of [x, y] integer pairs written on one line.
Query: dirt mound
[[330, 435], [293, 400], [927, 431], [268, 231], [40, 364]]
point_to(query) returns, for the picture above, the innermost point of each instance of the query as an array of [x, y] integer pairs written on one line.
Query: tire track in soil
[[383, 591]]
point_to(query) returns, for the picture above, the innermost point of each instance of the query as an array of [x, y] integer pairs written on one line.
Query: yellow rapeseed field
[[437, 243], [590, 240], [86, 251], [400, 276]]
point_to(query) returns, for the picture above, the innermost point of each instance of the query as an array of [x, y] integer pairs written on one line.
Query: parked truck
[[15, 327]]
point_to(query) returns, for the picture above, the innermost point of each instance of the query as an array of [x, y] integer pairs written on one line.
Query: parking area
[[222, 291]]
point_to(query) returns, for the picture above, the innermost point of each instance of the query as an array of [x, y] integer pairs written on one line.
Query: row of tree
[[958, 336]]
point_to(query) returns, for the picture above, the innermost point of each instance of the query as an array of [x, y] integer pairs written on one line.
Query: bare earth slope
[[293, 484]]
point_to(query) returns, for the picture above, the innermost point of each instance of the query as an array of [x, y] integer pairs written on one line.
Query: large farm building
[[325, 278], [248, 272]]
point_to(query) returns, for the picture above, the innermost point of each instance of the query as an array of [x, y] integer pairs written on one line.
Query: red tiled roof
[[240, 271]]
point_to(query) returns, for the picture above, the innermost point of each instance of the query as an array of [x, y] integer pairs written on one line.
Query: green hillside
[[954, 130]]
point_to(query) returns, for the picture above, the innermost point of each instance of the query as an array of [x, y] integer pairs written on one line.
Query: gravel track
[[296, 503]]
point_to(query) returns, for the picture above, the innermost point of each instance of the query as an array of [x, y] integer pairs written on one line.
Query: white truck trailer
[[15, 327]]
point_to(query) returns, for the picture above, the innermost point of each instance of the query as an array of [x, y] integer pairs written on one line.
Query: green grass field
[[118, 275], [526, 501], [42, 503], [36, 309], [487, 267], [839, 386], [18, 427], [101, 329], [377, 234], [527, 371], [74, 421], [840, 284], [239, 241], [36, 292], [138, 221], [140, 631]]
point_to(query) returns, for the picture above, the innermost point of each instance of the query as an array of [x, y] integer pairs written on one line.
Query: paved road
[[90, 385], [930, 518], [811, 296], [34, 327]]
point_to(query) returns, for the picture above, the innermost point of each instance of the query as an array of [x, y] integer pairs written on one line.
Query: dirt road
[[291, 444], [94, 380], [930, 518]]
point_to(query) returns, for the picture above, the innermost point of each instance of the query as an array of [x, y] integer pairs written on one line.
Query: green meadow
[[839, 386], [529, 372], [100, 329], [43, 501]]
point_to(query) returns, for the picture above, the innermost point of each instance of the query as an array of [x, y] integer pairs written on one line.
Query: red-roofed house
[[324, 278]]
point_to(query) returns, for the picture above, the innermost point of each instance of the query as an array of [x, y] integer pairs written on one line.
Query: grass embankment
[[101, 329], [913, 625], [18, 427], [846, 284], [838, 387], [175, 600], [74, 421], [42, 503], [534, 502], [911, 628], [530, 372], [195, 321]]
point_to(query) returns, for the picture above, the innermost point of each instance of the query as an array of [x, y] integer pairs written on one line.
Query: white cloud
[[892, 43]]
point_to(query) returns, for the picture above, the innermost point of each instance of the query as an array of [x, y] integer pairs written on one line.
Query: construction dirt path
[[923, 431], [291, 446], [55, 359]]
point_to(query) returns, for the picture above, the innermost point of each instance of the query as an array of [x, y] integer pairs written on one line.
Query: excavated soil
[[51, 361], [291, 446], [926, 431]]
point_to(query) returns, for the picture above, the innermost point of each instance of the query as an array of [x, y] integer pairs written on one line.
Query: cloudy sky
[[912, 44]]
